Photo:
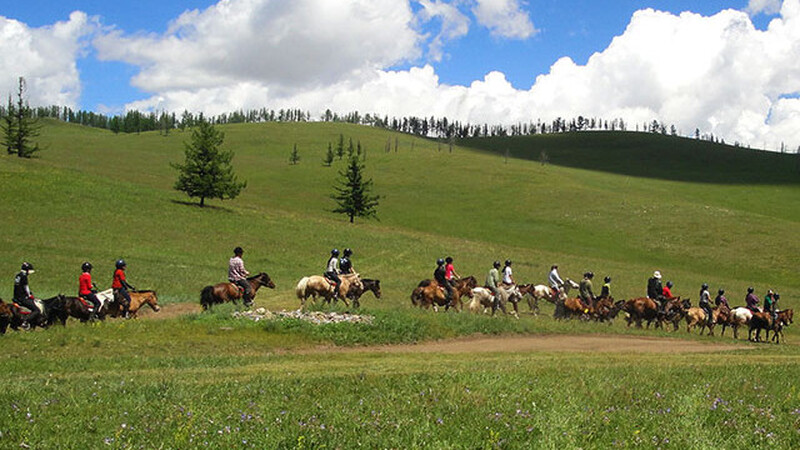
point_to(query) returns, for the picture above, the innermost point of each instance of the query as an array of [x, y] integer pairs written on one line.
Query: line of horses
[[351, 288], [61, 307], [429, 294]]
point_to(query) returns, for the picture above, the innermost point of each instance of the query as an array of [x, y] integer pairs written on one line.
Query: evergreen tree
[[20, 127], [207, 171], [350, 149], [9, 127], [353, 192], [294, 158], [340, 147], [328, 156]]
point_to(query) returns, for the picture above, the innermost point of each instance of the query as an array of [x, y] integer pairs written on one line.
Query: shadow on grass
[[204, 207], [650, 156]]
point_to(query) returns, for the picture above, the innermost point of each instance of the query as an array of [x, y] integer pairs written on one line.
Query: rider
[[705, 303], [450, 273], [439, 276], [508, 278], [655, 291], [586, 295], [332, 271], [120, 286], [237, 274], [493, 278], [751, 300], [345, 265], [555, 280], [22, 292], [667, 291], [769, 304], [721, 301], [605, 291], [87, 289]]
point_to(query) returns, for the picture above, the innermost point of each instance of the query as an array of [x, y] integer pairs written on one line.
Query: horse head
[[375, 287], [264, 280]]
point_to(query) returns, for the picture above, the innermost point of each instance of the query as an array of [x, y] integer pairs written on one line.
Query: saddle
[[22, 309], [87, 304]]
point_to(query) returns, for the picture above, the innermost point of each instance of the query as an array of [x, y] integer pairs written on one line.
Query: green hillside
[[621, 204]]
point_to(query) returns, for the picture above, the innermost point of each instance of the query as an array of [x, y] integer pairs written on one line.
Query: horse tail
[[206, 297], [300, 290]]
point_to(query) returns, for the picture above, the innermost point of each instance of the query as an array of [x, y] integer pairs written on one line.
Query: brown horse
[[640, 309], [785, 318], [316, 285], [697, 316], [674, 311], [229, 292], [82, 309], [428, 293], [355, 292], [16, 316], [138, 299], [5, 316]]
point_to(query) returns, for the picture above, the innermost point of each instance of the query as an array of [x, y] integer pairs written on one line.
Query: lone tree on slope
[[207, 171], [353, 192], [19, 127]]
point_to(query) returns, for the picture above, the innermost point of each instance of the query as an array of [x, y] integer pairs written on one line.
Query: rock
[[314, 317]]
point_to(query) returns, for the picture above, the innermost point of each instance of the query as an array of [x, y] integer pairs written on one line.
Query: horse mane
[[255, 276], [146, 291]]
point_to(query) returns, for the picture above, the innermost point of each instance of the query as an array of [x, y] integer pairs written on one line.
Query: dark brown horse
[[81, 309], [16, 316], [138, 299], [355, 292], [229, 292], [428, 293], [5, 316]]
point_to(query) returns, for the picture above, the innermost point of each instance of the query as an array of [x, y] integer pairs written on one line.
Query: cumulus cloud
[[46, 57], [505, 18], [769, 7], [454, 24]]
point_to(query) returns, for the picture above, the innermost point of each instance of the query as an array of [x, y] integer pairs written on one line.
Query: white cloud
[[289, 45], [505, 18], [769, 7], [454, 24], [46, 57]]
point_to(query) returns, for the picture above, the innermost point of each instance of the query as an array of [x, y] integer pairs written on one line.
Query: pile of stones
[[315, 317]]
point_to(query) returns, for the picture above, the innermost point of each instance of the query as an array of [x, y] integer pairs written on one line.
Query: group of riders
[[661, 295], [87, 290]]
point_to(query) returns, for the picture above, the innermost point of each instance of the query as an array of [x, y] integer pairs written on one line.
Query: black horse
[[16, 316], [356, 292]]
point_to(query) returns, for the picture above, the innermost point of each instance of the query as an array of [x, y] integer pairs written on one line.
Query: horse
[[81, 309], [541, 291], [607, 309], [739, 316], [16, 316], [316, 285], [355, 292], [697, 316], [785, 318], [483, 297], [230, 292], [574, 307], [428, 293], [761, 321], [138, 299], [640, 309], [674, 311]]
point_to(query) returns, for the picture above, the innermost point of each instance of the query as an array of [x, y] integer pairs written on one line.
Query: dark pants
[[248, 291], [709, 314], [124, 298], [31, 305], [94, 300]]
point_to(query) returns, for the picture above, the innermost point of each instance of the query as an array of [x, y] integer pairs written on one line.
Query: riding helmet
[[86, 266], [238, 251], [448, 260], [26, 266], [669, 284], [439, 262], [508, 262], [608, 279], [347, 252], [721, 291], [705, 286], [496, 264], [750, 290], [121, 263], [335, 252], [777, 296]]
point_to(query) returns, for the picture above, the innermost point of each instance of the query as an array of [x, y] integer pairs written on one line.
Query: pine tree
[[20, 127], [340, 147], [207, 171], [294, 158], [9, 127], [350, 149], [353, 192], [328, 156]]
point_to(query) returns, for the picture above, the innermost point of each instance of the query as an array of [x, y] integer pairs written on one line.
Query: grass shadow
[[650, 155], [204, 207]]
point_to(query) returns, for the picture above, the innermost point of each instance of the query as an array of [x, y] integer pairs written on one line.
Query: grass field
[[621, 204]]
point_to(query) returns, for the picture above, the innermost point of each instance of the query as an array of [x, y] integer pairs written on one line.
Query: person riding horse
[[721, 301], [586, 294], [751, 301], [87, 289], [120, 287], [493, 279], [705, 303], [332, 272], [441, 279], [771, 304], [23, 295], [508, 275], [655, 291], [237, 274], [605, 291], [345, 264]]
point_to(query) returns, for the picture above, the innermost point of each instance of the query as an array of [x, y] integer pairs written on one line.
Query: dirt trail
[[581, 343]]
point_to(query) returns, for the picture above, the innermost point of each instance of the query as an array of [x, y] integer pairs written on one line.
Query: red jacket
[[85, 284], [666, 292], [119, 279]]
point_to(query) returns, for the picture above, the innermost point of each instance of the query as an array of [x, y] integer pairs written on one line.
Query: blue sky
[[122, 53]]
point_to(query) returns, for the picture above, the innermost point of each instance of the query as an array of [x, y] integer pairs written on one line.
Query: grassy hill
[[621, 204]]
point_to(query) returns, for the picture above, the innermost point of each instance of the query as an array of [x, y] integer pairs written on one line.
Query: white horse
[[740, 317], [540, 291], [483, 297]]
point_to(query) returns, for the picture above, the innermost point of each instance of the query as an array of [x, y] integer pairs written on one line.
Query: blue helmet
[[121, 263]]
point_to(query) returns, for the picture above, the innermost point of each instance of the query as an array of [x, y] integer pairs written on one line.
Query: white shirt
[[333, 265], [507, 275], [555, 280]]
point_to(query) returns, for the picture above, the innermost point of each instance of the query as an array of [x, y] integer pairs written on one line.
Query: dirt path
[[588, 343]]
